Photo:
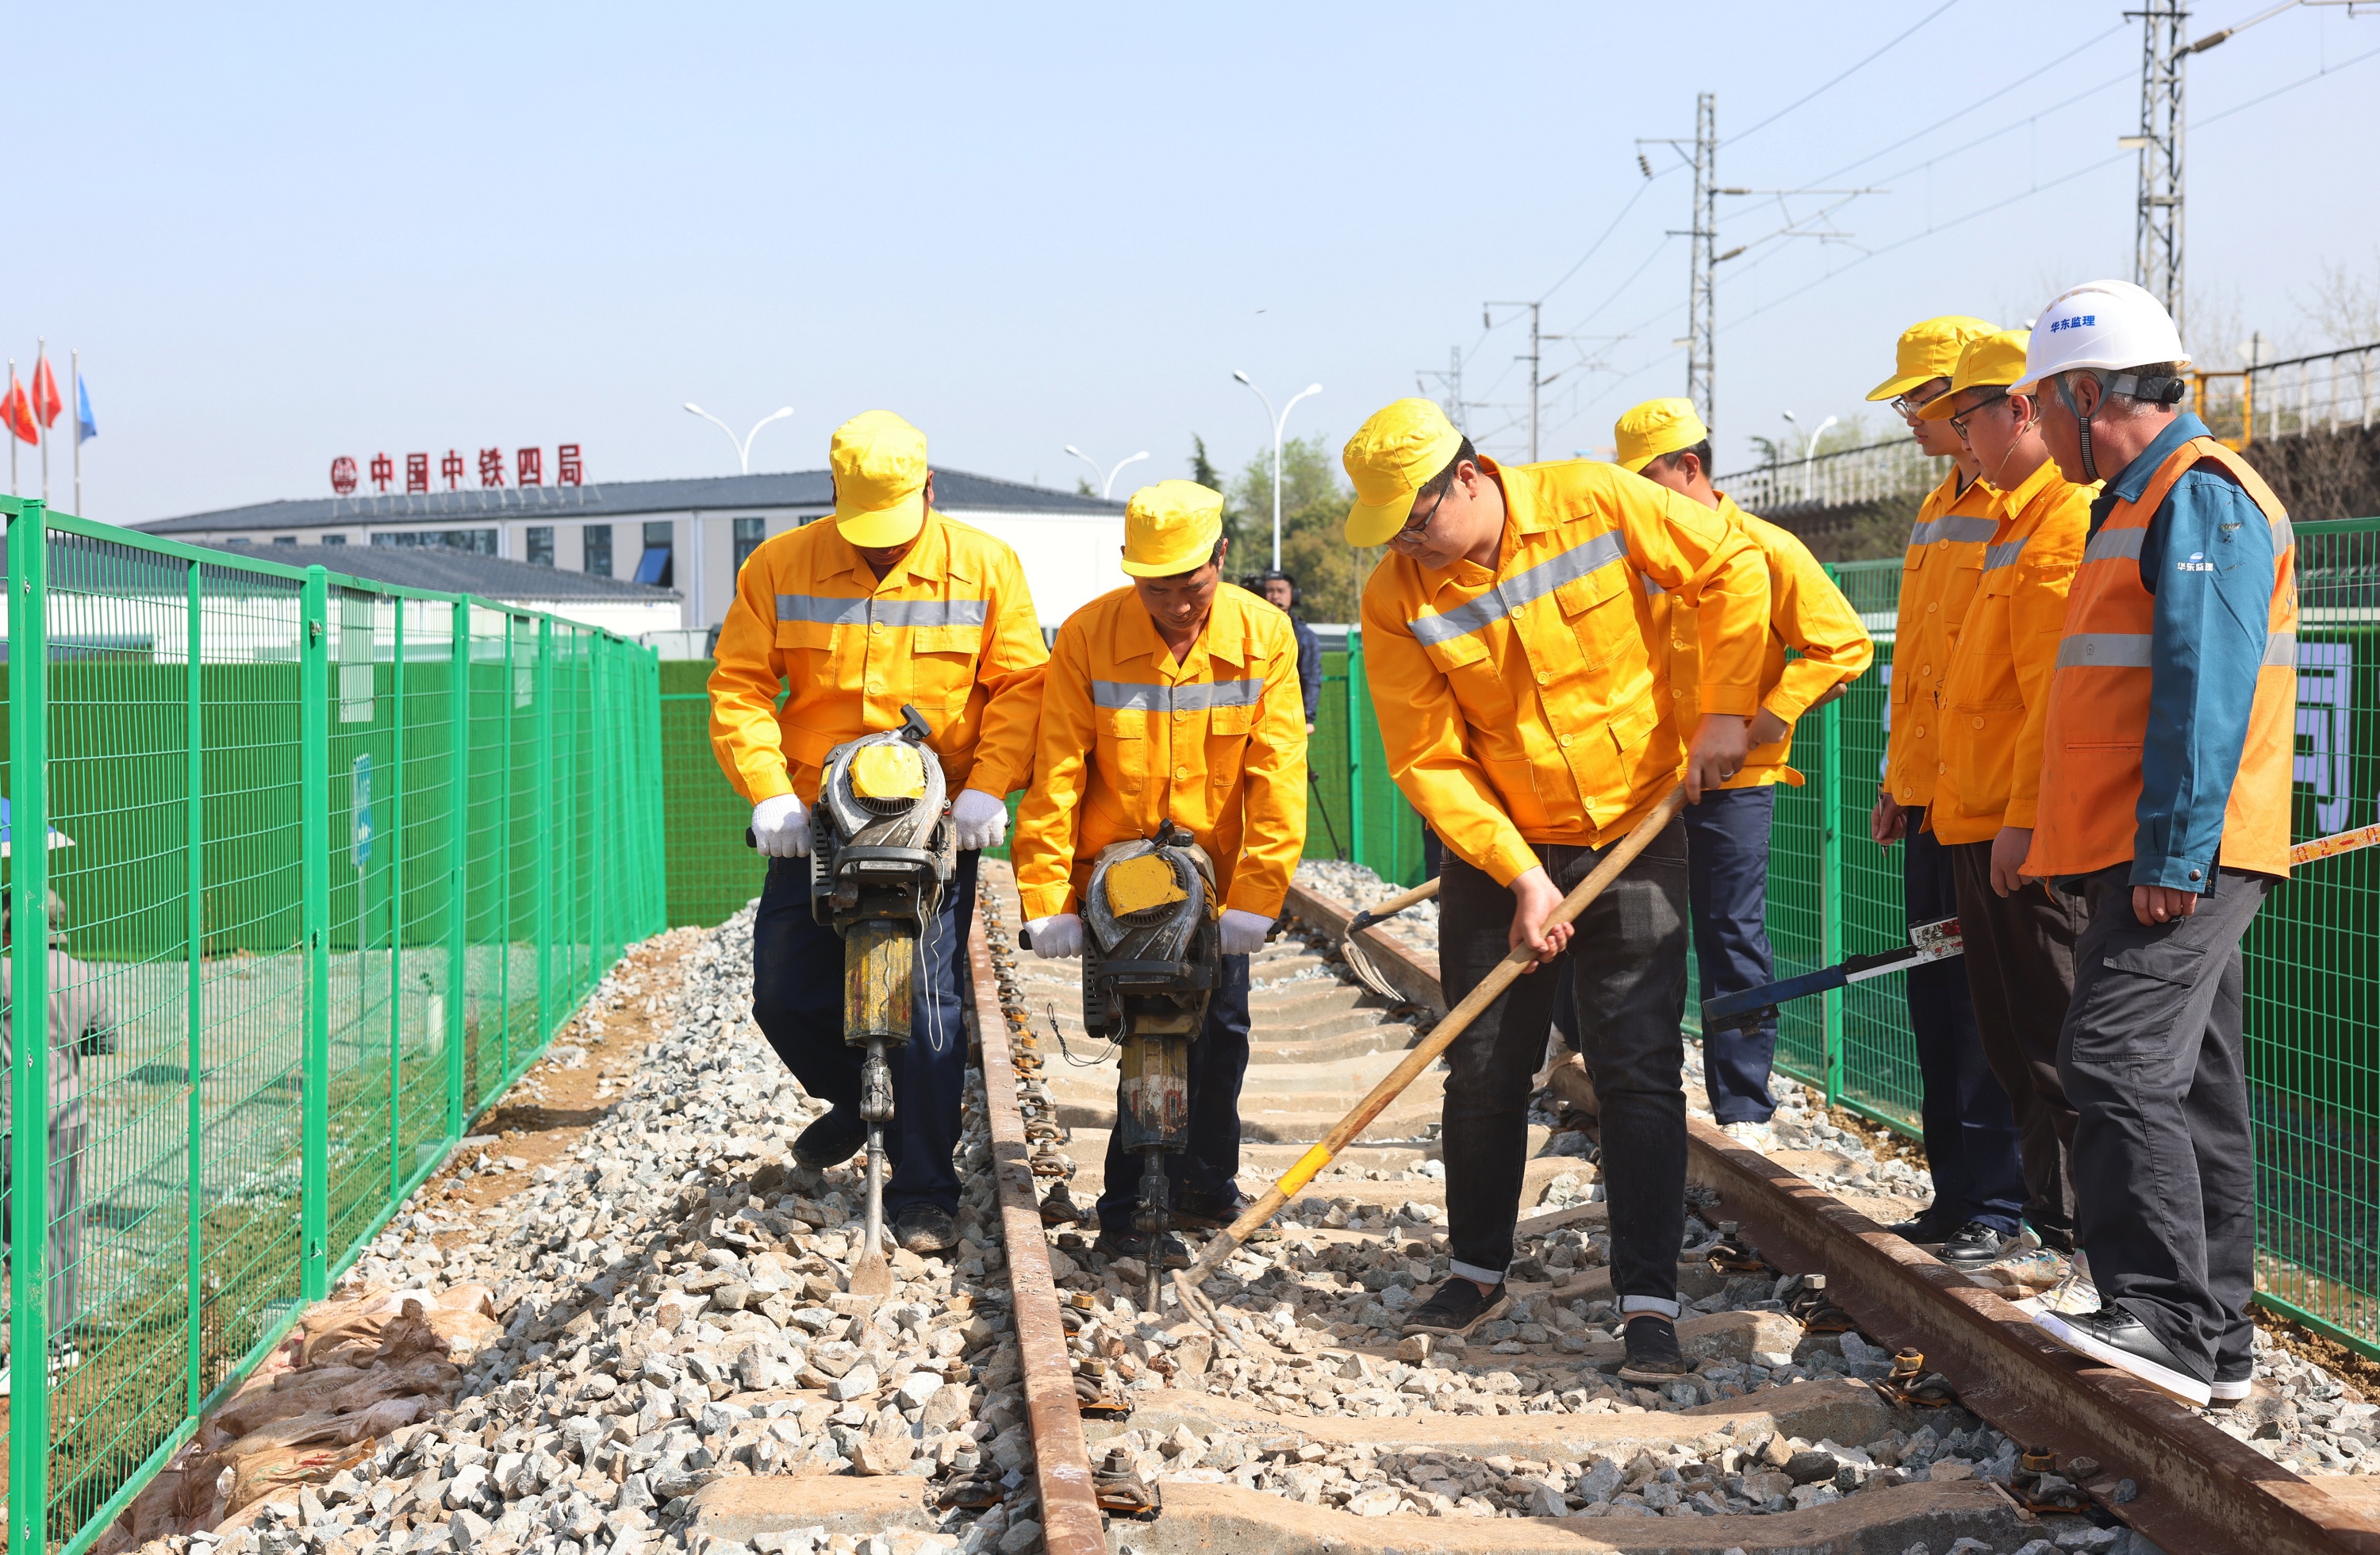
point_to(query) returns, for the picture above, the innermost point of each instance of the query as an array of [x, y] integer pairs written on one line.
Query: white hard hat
[[2109, 325]]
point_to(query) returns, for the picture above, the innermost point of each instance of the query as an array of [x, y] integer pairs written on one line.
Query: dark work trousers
[[1627, 961], [798, 1000], [1971, 1138], [1727, 881], [1200, 1177], [1565, 1023], [2021, 970], [2154, 1062]]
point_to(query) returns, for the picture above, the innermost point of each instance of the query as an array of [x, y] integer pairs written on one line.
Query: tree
[[1330, 573], [1202, 469]]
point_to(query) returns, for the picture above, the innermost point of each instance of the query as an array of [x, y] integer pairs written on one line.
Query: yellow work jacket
[[1518, 706], [950, 631], [1996, 701], [1815, 643], [1130, 739], [1938, 579]]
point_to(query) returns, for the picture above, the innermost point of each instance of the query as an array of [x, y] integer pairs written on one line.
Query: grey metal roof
[[954, 491], [451, 571]]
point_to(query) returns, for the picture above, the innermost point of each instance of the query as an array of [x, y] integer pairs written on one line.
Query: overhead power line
[[1822, 91]]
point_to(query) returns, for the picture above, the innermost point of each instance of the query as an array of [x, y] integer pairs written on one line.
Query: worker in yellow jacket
[[2019, 935], [1176, 697], [888, 603], [1815, 649], [1519, 707], [1969, 1132]]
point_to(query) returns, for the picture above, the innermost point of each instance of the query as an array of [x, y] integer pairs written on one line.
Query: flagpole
[[74, 369], [40, 359]]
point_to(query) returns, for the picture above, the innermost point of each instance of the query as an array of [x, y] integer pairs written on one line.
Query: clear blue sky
[[278, 236]]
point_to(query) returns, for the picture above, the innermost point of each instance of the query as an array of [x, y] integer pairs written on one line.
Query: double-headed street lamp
[[1809, 449], [1279, 421], [1106, 481], [744, 448]]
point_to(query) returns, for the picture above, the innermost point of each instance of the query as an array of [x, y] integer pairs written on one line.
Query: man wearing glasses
[[1970, 1137], [1523, 717], [2020, 934]]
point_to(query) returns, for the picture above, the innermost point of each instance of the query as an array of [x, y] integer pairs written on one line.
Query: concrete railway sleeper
[[1877, 1425]]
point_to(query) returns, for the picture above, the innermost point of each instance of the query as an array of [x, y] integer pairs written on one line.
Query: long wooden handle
[[1421, 1057], [1377, 911]]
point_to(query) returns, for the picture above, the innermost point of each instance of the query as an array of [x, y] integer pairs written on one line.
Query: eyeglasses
[[1959, 424], [1907, 406], [1413, 532]]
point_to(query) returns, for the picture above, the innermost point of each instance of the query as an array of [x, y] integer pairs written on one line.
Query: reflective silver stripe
[[2116, 650], [1961, 527], [1536, 583], [1651, 587], [2110, 545], [2283, 536], [833, 610], [1133, 696], [2129, 650], [2003, 554]]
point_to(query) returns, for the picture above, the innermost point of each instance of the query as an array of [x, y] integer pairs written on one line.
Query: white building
[[689, 536]]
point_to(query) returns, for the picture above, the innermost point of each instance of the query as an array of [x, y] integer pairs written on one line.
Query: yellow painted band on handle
[[1309, 1163]]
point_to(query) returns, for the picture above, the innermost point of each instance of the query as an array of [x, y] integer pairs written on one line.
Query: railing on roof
[[2330, 391], [1869, 473]]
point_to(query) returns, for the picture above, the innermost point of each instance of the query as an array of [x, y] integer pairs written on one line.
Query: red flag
[[47, 403], [17, 412]]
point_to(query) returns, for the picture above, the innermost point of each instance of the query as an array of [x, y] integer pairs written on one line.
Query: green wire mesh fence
[[303, 873]]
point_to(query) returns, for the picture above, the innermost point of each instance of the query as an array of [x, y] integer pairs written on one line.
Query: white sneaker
[[1752, 1135]]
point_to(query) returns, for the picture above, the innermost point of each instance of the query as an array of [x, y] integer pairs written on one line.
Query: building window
[[654, 568], [595, 542], [750, 533], [479, 541], [285, 539], [541, 545], [334, 540]]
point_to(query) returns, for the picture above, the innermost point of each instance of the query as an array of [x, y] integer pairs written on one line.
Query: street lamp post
[[744, 448], [1279, 421], [1106, 481], [1810, 450]]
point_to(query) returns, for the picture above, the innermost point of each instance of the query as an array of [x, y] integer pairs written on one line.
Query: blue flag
[[85, 428]]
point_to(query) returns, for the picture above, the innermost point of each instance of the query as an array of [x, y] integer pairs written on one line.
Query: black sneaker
[[832, 1140], [2115, 1338], [2234, 1381], [1977, 1245], [1456, 1308], [1202, 1213], [1653, 1354], [926, 1230], [1929, 1231], [1134, 1244]]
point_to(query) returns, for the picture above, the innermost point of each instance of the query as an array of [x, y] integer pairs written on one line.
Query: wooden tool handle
[[1421, 1057], [1369, 916]]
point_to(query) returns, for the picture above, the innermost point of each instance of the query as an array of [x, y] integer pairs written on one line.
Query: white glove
[[1056, 937], [781, 827], [981, 820], [1244, 933]]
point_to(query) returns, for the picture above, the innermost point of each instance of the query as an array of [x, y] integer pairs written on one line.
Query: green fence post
[[194, 843], [505, 856], [396, 832], [29, 1317], [545, 830], [458, 837], [1830, 890], [1356, 704], [314, 844]]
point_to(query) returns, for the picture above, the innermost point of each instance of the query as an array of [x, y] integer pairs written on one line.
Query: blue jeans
[[1200, 1177], [798, 1000], [1971, 1134], [1726, 888]]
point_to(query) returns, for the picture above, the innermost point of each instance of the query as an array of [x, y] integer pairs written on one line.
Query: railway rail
[[1310, 1425]]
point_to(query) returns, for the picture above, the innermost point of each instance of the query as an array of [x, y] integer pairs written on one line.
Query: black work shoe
[[832, 1140], [1202, 1213], [1977, 1245], [1929, 1231], [1456, 1308], [1134, 1244], [2233, 1382], [1653, 1354], [2115, 1338], [926, 1230]]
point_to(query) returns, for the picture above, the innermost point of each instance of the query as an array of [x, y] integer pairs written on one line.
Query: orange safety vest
[[2099, 697]]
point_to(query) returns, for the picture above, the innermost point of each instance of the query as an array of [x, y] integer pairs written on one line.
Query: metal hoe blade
[[1359, 960]]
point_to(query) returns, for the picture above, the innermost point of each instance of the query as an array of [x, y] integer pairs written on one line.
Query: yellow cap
[[887, 771], [1135, 885], [879, 462], [1989, 361], [1391, 458], [1654, 427], [1928, 351], [1171, 527]]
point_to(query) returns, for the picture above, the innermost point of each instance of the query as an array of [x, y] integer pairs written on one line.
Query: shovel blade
[[870, 1275]]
